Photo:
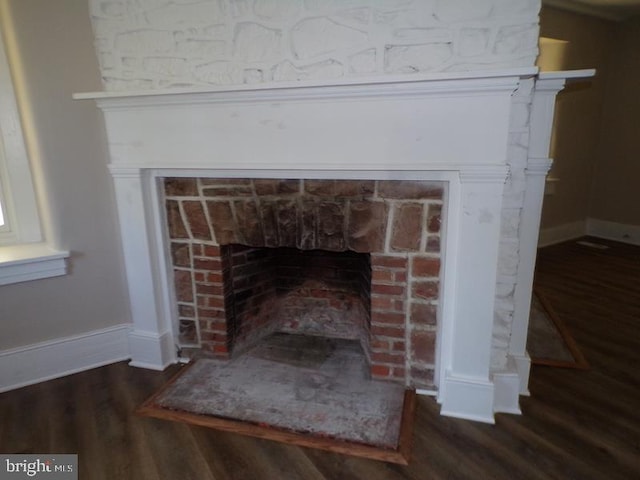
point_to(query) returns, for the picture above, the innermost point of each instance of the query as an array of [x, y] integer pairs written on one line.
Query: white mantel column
[[151, 338], [467, 390]]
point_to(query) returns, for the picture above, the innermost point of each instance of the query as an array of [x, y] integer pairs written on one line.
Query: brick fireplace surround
[[462, 131], [240, 249]]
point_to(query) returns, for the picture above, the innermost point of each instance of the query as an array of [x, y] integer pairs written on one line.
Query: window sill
[[33, 261]]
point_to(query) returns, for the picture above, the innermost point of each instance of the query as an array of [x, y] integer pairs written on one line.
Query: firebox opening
[[310, 292]]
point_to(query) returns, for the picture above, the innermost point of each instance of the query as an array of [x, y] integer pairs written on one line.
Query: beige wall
[[578, 113], [67, 148], [616, 187]]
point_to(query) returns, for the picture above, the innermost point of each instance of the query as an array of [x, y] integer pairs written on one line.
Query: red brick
[[186, 311], [383, 357], [380, 371], [272, 186], [220, 349], [423, 314], [407, 189], [225, 181], [434, 218], [180, 254], [379, 345], [329, 227], [214, 277], [433, 244], [185, 187], [196, 219], [387, 318], [379, 275], [215, 302], [398, 346], [382, 303], [392, 332], [174, 219], [425, 289], [227, 191], [400, 277], [425, 267], [407, 228], [398, 373], [198, 276], [222, 221], [211, 348], [217, 326], [204, 289], [388, 261], [421, 376], [210, 314], [213, 337], [387, 289], [206, 264], [183, 285], [366, 231], [339, 188], [249, 224], [398, 305], [211, 251], [423, 346]]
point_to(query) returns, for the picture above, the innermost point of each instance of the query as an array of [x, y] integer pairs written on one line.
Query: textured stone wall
[[512, 203], [151, 44]]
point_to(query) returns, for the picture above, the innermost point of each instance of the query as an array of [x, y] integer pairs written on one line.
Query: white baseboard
[[43, 361], [523, 367], [506, 393], [468, 399], [562, 233], [152, 351], [614, 231], [508, 387]]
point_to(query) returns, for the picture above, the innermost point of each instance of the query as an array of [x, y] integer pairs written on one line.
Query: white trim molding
[[562, 233], [32, 261], [43, 361], [613, 231]]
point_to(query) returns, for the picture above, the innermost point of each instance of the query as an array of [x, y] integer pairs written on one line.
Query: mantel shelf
[[362, 83]]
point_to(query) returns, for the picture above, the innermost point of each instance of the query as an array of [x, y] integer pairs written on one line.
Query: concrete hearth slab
[[295, 383]]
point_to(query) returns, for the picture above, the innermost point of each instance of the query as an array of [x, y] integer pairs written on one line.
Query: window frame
[[22, 221], [24, 256]]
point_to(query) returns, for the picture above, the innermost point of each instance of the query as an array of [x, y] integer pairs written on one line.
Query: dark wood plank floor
[[576, 425]]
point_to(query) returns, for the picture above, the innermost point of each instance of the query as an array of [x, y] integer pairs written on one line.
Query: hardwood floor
[[576, 424]]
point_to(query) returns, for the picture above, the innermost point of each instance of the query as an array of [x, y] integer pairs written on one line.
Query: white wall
[[155, 44], [578, 112], [53, 59], [595, 147], [614, 197]]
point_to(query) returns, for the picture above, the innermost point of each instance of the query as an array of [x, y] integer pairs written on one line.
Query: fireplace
[[356, 259], [481, 137]]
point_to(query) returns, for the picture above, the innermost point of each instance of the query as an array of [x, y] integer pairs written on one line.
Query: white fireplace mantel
[[453, 129]]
